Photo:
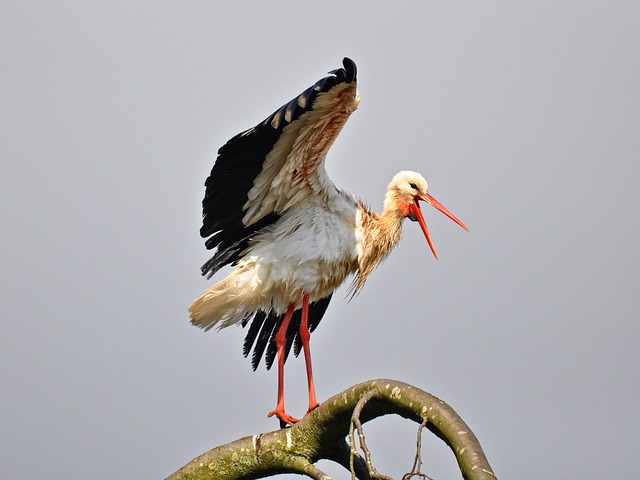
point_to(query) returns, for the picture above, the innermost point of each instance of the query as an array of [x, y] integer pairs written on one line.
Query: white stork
[[292, 236]]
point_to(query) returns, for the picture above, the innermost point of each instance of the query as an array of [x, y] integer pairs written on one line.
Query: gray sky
[[523, 116]]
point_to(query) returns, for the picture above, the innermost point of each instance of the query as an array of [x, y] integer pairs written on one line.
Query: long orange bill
[[417, 213]]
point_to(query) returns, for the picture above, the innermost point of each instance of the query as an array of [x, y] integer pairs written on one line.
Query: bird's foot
[[284, 417], [312, 408]]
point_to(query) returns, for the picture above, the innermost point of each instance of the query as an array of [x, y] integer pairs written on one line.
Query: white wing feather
[[294, 169]]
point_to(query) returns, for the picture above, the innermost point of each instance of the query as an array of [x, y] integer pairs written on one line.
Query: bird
[[290, 235]]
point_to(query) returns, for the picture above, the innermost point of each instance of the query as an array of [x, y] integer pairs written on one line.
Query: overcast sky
[[524, 116]]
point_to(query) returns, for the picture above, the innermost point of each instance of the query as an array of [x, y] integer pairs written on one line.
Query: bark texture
[[322, 433]]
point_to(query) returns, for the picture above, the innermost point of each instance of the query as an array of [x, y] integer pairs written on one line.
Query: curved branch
[[322, 433]]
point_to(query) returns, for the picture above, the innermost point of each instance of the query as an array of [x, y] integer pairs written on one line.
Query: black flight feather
[[267, 337]]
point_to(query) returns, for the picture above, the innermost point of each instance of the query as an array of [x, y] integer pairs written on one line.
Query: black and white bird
[[271, 211]]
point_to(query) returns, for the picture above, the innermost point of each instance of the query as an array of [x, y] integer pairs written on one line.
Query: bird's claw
[[284, 417]]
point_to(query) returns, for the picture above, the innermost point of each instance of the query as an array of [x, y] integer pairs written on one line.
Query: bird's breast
[[311, 249]]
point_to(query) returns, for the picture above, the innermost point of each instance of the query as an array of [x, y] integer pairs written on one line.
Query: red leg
[[281, 338], [305, 335]]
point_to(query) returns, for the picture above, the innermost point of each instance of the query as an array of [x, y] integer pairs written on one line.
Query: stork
[[271, 211]]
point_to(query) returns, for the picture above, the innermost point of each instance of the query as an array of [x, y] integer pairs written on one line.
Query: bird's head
[[406, 190]]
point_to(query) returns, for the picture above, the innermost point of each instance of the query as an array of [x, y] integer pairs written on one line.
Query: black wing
[[239, 163], [261, 335]]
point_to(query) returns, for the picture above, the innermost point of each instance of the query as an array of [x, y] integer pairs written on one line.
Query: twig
[[315, 473], [355, 421], [341, 454], [417, 461]]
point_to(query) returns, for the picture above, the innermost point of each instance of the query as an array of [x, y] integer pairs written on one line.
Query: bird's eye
[[414, 186]]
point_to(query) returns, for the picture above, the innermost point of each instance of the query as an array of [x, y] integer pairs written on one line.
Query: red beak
[[415, 209]]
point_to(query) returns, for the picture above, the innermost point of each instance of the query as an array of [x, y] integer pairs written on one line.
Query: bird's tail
[[221, 305]]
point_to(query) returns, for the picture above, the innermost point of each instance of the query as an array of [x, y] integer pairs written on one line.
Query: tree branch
[[322, 433]]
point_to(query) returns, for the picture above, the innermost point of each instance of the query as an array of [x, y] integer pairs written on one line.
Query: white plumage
[[292, 236], [311, 249]]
